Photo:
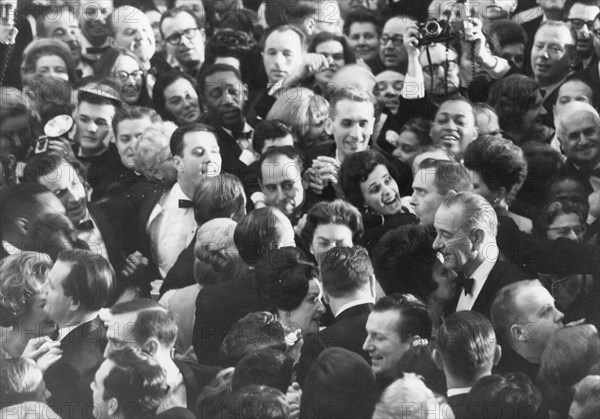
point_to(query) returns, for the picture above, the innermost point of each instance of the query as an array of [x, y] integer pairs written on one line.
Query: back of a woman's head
[[20, 381], [282, 278], [216, 257], [259, 402], [257, 233], [340, 384]]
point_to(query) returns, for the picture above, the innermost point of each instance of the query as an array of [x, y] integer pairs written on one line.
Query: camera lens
[[433, 28]]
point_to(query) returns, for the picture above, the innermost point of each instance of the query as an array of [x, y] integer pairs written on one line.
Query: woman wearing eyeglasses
[[127, 70], [576, 294]]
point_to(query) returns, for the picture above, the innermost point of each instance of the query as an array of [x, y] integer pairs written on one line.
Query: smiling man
[[466, 227], [129, 28], [396, 320], [454, 125]]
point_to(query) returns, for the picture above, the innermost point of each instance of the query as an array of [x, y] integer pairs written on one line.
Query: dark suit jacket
[[144, 197], [503, 273], [102, 170], [456, 403], [530, 28], [182, 273], [69, 378], [591, 75], [218, 308], [195, 378], [348, 330]]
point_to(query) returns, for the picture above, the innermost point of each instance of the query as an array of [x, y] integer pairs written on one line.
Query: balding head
[[578, 130]]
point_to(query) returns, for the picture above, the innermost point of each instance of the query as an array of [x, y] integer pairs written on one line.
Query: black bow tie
[[185, 203], [85, 225], [465, 283]]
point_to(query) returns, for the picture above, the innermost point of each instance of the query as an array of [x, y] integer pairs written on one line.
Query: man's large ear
[[245, 91], [309, 25], [328, 125], [151, 346], [178, 163], [477, 237], [112, 42], [23, 225]]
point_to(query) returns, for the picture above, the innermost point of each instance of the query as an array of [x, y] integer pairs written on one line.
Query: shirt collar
[[459, 390], [490, 257], [354, 303]]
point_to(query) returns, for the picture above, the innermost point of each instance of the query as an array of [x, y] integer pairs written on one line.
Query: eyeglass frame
[[397, 40], [139, 76], [588, 23], [181, 34]]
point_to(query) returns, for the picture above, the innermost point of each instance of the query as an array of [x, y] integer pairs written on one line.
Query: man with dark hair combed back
[[466, 351], [349, 290]]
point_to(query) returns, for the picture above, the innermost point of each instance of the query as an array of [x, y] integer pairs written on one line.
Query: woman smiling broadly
[[367, 181], [127, 70]]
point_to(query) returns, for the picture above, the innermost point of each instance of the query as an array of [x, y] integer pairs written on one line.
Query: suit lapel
[[107, 233], [488, 291]]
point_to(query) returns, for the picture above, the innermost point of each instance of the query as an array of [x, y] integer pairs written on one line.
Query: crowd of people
[[304, 209]]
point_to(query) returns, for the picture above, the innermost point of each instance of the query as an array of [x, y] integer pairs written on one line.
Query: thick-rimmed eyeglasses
[[397, 40], [577, 24], [124, 75], [175, 38]]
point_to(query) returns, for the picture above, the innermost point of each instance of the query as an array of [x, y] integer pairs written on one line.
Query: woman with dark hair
[[127, 70], [499, 169], [519, 106], [289, 286], [367, 182], [330, 224], [338, 53], [339, 385], [175, 98], [49, 57]]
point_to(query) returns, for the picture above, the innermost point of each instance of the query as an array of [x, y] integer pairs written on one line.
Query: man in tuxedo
[[466, 352], [524, 318], [92, 21], [226, 96], [151, 328], [396, 320], [349, 290], [80, 283], [20, 205], [578, 130], [466, 227], [106, 227], [166, 223]]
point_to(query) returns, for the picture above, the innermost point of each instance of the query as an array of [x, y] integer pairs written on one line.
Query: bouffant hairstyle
[[499, 162], [512, 97]]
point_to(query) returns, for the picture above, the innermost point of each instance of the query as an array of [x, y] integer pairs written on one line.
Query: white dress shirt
[[466, 301], [175, 229]]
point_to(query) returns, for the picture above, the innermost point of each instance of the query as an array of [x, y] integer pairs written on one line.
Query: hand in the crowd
[[311, 64], [411, 42], [392, 137], [61, 147], [133, 262], [473, 31], [300, 224], [293, 396], [43, 351]]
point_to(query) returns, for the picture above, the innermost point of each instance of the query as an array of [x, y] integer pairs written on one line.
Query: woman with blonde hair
[[305, 113]]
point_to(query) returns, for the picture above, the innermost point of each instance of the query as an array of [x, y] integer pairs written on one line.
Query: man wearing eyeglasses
[[392, 51], [580, 16], [184, 39]]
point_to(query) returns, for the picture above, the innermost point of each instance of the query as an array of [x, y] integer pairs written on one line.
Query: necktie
[[185, 203], [465, 283], [86, 226]]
